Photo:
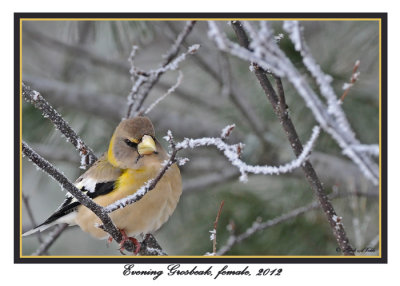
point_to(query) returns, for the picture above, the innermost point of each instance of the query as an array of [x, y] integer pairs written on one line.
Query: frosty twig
[[34, 97], [263, 50], [78, 194], [144, 81], [295, 143]]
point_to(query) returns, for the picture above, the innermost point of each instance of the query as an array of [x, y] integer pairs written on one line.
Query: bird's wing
[[98, 180]]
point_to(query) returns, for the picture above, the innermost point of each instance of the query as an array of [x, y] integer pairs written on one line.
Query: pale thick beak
[[147, 146]]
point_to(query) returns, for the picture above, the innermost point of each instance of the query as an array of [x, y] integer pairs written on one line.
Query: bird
[[134, 157]]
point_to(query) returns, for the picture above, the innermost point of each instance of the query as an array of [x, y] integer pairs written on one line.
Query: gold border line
[[215, 19], [380, 137], [201, 19], [20, 137]]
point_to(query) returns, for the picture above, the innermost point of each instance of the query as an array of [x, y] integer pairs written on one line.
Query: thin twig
[[87, 155], [31, 217], [258, 225], [169, 91], [232, 152], [295, 143], [149, 185], [50, 239], [353, 79], [173, 51], [267, 54], [215, 228], [144, 83]]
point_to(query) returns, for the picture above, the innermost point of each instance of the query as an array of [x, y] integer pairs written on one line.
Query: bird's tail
[[40, 227]]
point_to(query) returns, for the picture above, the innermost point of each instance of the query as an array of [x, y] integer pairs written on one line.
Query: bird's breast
[[145, 215]]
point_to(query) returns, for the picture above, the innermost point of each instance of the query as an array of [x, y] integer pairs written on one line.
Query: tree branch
[[261, 226], [146, 81], [214, 231], [30, 214], [266, 53], [34, 97], [50, 239], [79, 195], [295, 143]]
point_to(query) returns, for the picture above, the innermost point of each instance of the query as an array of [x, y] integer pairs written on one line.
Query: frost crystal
[[279, 37], [35, 95], [346, 85], [183, 161], [227, 131], [123, 202], [193, 49], [213, 233]]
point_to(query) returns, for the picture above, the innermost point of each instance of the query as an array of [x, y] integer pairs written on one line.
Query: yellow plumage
[[144, 216], [133, 158]]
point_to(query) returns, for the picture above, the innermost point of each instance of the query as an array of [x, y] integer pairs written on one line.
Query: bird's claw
[[125, 238]]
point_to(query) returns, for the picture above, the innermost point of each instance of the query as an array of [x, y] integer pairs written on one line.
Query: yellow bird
[[134, 156]]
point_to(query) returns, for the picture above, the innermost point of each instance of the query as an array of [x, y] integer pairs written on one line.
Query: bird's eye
[[130, 143]]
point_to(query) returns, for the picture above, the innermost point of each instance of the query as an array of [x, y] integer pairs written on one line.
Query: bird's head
[[133, 143]]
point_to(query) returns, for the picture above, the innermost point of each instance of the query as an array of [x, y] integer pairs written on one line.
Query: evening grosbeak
[[134, 157]]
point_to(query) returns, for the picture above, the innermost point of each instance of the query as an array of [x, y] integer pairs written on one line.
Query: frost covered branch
[[78, 194], [369, 149], [232, 153], [264, 52], [34, 97], [281, 111], [338, 125], [144, 81], [149, 185]]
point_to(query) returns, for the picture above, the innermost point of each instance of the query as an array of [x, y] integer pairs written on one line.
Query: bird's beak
[[147, 146]]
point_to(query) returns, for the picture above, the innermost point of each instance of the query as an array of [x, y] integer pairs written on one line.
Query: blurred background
[[82, 69]]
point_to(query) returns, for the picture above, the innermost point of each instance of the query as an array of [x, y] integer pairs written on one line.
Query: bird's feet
[[125, 238]]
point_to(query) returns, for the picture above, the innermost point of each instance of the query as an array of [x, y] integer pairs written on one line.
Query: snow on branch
[[369, 149], [323, 80], [149, 185], [278, 102], [232, 153], [339, 127], [47, 167], [87, 155], [263, 51], [144, 81]]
